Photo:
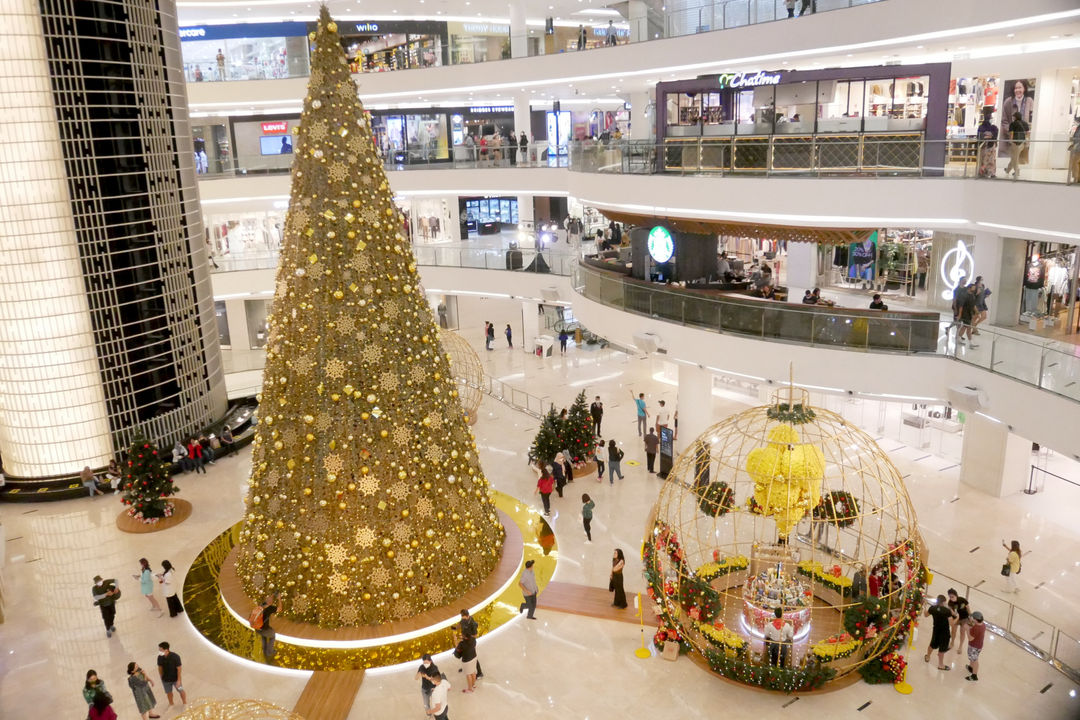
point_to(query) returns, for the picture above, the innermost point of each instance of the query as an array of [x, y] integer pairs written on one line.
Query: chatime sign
[[738, 80]]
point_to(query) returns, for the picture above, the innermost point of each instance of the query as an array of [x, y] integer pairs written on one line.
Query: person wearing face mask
[[170, 670], [140, 687], [105, 596], [427, 666], [94, 685]]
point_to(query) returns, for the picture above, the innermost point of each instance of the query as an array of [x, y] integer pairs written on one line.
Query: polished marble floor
[[561, 666]]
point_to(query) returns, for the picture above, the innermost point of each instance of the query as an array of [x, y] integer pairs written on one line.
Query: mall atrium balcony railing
[[1046, 364], [848, 155], [830, 155]]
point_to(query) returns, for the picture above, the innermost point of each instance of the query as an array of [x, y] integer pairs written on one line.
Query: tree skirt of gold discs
[[206, 609], [236, 709]]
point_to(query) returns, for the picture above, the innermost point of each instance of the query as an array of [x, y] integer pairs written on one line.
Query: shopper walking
[[642, 412], [100, 708], [141, 687], [523, 147], [614, 457], [170, 671], [940, 635], [611, 39], [544, 486], [580, 37], [1073, 175], [597, 412], [976, 637], [490, 335], [1012, 566], [105, 595], [1018, 130], [558, 470], [466, 651], [166, 577], [982, 310], [790, 5], [598, 457], [267, 636], [587, 506], [440, 702], [426, 686], [615, 585], [529, 590], [93, 686], [807, 6], [146, 583], [652, 444], [563, 337], [509, 336]]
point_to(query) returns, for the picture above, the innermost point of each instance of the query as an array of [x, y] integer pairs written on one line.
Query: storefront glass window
[[257, 312], [427, 137], [222, 317], [795, 108], [213, 153], [840, 104], [245, 59], [251, 234]]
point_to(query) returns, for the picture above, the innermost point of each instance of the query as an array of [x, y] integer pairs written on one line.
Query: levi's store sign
[[275, 127], [748, 79]]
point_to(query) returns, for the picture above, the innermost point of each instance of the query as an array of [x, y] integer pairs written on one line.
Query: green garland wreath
[[839, 507], [716, 499], [871, 611], [797, 414]]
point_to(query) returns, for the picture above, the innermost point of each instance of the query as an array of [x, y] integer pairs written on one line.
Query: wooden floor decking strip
[[329, 695], [591, 602]]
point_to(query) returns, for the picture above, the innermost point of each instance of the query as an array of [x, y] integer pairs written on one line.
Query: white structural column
[[994, 460], [802, 269], [519, 30], [638, 13], [642, 122], [1000, 261], [522, 119], [526, 221], [530, 323], [52, 404], [695, 402]]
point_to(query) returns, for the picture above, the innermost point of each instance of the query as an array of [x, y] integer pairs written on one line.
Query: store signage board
[[748, 79], [957, 264], [243, 30], [487, 109], [367, 27], [275, 127], [661, 244]]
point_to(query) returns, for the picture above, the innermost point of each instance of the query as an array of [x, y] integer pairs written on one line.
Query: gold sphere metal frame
[[787, 506], [467, 370]]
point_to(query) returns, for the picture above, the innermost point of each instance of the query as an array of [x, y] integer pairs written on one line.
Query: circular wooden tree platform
[[128, 524]]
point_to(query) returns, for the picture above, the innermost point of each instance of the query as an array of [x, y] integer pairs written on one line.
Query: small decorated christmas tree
[[546, 445], [577, 433], [146, 482]]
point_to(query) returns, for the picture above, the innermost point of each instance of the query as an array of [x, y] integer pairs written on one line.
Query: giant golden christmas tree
[[367, 503]]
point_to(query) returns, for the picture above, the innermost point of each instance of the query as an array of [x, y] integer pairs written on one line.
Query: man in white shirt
[[663, 417], [779, 635], [439, 704]]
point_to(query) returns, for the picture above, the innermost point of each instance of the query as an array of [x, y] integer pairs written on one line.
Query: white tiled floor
[[559, 667]]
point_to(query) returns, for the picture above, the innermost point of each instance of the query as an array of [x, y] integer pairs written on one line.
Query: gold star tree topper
[[356, 394]]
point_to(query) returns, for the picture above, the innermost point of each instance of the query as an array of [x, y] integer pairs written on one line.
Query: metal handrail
[[1051, 656], [705, 312]]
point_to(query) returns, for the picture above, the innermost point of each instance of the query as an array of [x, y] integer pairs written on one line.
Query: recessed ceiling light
[[1011, 35]]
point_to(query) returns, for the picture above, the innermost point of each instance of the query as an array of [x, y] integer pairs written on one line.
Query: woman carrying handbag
[[615, 584]]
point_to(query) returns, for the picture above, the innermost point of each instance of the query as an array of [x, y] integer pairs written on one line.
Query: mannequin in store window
[[1034, 279]]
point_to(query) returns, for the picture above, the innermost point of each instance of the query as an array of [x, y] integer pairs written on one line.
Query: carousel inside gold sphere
[[784, 552], [467, 371]]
